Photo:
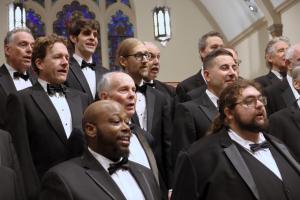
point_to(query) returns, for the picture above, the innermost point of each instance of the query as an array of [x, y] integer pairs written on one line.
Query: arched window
[[119, 28]]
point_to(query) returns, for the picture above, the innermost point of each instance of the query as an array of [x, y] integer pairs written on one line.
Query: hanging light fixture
[[162, 24], [17, 14]]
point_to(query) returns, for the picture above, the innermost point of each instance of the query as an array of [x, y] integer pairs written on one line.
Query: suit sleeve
[[185, 183], [17, 126], [54, 188], [184, 132]]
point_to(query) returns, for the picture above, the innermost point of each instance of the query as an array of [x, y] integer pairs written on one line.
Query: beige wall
[[290, 21]]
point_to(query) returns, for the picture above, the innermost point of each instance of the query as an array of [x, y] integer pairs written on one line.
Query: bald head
[[106, 129]]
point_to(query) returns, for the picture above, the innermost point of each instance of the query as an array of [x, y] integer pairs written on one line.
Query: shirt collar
[[212, 97], [43, 83], [105, 162], [241, 141], [11, 70], [80, 59], [277, 74]]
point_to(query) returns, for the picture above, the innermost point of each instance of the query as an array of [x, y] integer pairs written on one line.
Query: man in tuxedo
[[285, 124], [197, 92], [12, 187], [152, 107], [193, 118], [45, 119], [84, 74], [238, 160], [120, 87], [207, 43], [103, 171], [283, 94], [153, 70], [275, 60], [15, 72]]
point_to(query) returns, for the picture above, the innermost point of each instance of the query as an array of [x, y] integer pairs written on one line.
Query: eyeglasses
[[252, 101], [139, 56]]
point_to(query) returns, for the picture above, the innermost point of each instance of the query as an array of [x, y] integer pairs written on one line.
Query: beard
[[252, 125]]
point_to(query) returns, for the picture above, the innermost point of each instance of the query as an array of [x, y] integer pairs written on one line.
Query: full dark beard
[[251, 126]]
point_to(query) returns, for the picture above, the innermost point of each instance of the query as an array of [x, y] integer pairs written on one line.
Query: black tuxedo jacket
[[195, 93], [213, 169], [191, 122], [38, 133], [159, 125], [77, 80], [84, 178], [285, 125], [279, 96], [7, 86], [165, 88], [10, 172], [267, 80], [187, 85]]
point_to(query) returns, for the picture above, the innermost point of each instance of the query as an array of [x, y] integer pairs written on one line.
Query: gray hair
[[202, 40], [9, 34], [296, 73], [270, 48], [291, 51], [105, 82]]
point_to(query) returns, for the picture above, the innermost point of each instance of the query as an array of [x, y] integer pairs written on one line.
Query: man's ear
[[90, 130], [39, 63], [123, 62], [73, 38], [296, 84], [103, 95], [228, 113], [206, 75]]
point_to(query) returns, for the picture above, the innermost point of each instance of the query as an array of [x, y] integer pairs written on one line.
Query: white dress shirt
[[90, 75], [123, 178], [290, 81], [263, 155], [141, 109], [61, 105], [213, 98], [20, 83], [277, 74], [137, 153]]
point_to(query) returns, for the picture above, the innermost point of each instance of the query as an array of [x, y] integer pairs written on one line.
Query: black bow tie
[[90, 65], [142, 89], [21, 75], [150, 84], [256, 147], [123, 164], [52, 89], [283, 74]]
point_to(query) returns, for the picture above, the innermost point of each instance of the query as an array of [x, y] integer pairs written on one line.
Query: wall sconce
[[17, 15], [162, 24]]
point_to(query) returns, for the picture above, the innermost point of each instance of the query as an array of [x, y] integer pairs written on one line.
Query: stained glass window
[[126, 2], [64, 18], [109, 2], [34, 23], [119, 28]]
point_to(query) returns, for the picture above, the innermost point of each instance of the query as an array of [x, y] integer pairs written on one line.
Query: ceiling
[[233, 17]]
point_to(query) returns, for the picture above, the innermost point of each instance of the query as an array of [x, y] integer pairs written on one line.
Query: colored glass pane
[[109, 2], [34, 23], [119, 28], [126, 2], [41, 2]]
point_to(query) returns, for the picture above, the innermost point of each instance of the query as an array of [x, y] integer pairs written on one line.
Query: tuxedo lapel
[[43, 101], [150, 102], [285, 152], [148, 152], [100, 177], [295, 112], [208, 107], [287, 93], [239, 164], [6, 80], [75, 106], [76, 70], [142, 182]]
